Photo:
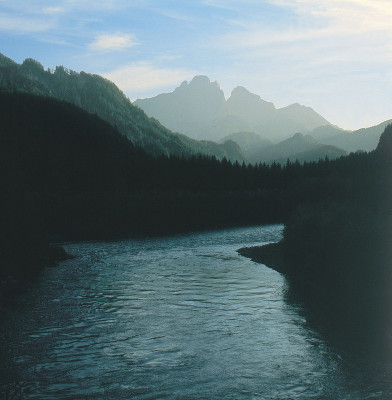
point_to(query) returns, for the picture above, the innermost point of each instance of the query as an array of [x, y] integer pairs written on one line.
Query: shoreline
[[14, 284], [270, 255]]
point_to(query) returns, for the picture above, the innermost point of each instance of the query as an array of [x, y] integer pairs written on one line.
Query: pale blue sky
[[332, 55]]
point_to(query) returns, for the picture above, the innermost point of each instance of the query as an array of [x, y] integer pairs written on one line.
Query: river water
[[181, 317]]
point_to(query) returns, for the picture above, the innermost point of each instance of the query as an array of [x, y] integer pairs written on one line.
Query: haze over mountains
[[365, 139], [242, 128], [298, 147], [199, 109]]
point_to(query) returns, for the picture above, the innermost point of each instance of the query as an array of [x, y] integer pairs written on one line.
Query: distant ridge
[[200, 110], [299, 147], [365, 139]]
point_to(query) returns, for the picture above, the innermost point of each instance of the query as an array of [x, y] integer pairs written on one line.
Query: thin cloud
[[53, 10], [22, 25], [218, 4], [323, 31], [348, 15], [230, 4], [310, 20], [115, 42], [104, 5], [138, 79], [337, 48], [176, 15]]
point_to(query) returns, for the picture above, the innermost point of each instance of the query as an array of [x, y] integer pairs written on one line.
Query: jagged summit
[[198, 82], [202, 85], [240, 90]]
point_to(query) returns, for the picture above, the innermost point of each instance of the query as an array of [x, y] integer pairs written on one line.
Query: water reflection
[[180, 317]]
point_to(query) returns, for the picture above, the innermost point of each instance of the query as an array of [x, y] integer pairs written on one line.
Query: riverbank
[[271, 255], [352, 309], [15, 280], [56, 254]]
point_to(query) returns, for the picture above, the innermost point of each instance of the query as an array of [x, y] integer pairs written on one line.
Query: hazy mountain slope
[[304, 116], [314, 154], [102, 97], [249, 107], [248, 141], [299, 147], [362, 139], [324, 132], [229, 149], [200, 110], [265, 119], [303, 148]]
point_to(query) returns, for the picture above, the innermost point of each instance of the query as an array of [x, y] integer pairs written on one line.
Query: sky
[[332, 55]]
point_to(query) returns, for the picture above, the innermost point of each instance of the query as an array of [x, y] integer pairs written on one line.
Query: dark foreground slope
[[48, 147], [337, 253]]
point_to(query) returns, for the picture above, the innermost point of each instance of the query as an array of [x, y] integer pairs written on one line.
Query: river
[[181, 317]]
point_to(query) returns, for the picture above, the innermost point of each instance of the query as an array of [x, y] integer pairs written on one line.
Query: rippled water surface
[[183, 317]]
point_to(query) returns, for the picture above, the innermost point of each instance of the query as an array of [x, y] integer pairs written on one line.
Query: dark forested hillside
[[102, 97], [356, 225], [337, 249]]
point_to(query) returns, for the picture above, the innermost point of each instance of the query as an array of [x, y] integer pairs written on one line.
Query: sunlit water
[[183, 317]]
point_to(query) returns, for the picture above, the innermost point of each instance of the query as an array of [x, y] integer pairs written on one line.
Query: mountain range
[[243, 128], [199, 109]]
